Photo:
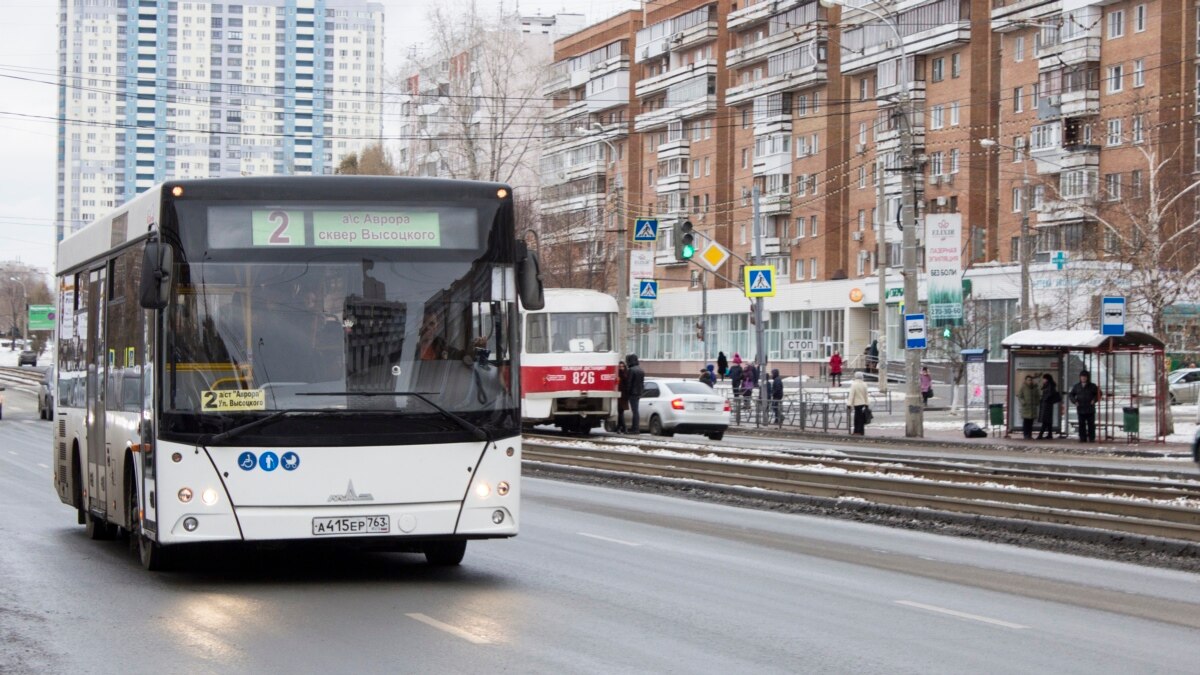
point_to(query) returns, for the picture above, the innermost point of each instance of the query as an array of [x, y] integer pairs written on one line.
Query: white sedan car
[[1184, 385], [682, 406]]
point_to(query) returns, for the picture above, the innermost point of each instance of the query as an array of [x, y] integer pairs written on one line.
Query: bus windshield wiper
[[253, 424], [480, 433]]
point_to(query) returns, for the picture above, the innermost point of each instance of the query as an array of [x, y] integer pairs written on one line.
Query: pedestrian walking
[[1030, 397], [1046, 404], [622, 395], [777, 396], [712, 375], [637, 386], [859, 402], [835, 369], [706, 377], [926, 386], [749, 380], [736, 373], [722, 366], [873, 356], [1085, 394]]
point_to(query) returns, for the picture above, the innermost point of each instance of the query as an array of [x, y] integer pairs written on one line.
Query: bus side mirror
[[529, 278], [156, 275]]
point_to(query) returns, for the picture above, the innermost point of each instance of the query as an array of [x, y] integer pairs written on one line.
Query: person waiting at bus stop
[[858, 401], [1084, 395], [776, 396], [637, 386], [622, 396], [1030, 397]]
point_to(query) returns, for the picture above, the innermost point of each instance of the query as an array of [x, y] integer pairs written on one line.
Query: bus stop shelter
[[1130, 370]]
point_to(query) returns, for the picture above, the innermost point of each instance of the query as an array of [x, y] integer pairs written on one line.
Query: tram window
[[535, 334]]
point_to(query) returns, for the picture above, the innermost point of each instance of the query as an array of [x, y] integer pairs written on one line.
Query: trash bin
[[1132, 420], [996, 414]]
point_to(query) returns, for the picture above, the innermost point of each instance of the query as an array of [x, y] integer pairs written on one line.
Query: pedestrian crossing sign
[[645, 229], [759, 281], [648, 290]]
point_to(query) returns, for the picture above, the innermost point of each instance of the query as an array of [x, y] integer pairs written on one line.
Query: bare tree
[[574, 253], [472, 96], [372, 160]]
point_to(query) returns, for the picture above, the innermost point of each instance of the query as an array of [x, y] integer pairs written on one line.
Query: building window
[[1017, 195], [1139, 18], [954, 114], [1116, 78], [1019, 99], [937, 71], [745, 158], [1135, 183], [1116, 24], [862, 220], [936, 117], [1039, 197], [1112, 186], [862, 133], [1139, 73], [935, 164], [812, 266], [1018, 148], [955, 64], [954, 160], [1019, 49], [802, 105], [862, 176], [1138, 133], [812, 226], [1114, 132]]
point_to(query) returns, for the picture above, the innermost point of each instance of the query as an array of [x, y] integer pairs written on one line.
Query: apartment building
[[1034, 109], [162, 89]]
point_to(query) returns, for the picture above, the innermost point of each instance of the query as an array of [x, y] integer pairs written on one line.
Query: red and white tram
[[569, 360]]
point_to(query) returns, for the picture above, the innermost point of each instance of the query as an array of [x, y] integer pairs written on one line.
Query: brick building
[[1034, 107]]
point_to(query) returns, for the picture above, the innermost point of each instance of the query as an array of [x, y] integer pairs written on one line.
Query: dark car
[[1196, 447], [46, 397], [28, 357]]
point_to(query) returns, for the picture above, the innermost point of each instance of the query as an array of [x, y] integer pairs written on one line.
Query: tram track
[[21, 375], [1161, 509]]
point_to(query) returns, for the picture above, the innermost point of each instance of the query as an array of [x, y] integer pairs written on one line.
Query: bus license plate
[[352, 525]]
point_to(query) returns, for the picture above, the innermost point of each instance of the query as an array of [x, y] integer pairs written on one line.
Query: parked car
[[1184, 385], [46, 397], [28, 357], [669, 407]]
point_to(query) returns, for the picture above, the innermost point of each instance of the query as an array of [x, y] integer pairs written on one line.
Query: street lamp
[[914, 409], [1026, 249], [25, 296], [622, 254]]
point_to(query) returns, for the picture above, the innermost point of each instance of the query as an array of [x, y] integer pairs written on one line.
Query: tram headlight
[[502, 488], [209, 497], [185, 495], [482, 490]]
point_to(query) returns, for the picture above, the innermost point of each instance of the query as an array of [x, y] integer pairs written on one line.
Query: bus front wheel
[[153, 557], [445, 553]]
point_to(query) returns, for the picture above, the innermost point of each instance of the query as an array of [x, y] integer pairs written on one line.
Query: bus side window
[[535, 334]]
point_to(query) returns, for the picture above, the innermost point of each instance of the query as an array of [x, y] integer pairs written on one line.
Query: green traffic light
[[688, 251], [946, 333]]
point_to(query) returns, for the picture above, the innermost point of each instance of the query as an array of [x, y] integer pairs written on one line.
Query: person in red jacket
[[835, 369]]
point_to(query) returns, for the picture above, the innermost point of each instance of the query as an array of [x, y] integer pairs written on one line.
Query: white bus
[[320, 359]]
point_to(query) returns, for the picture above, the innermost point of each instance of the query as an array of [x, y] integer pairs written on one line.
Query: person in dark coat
[[873, 356], [1084, 395], [777, 396], [749, 380], [736, 374], [722, 366], [637, 386], [706, 377], [622, 396], [1050, 399]]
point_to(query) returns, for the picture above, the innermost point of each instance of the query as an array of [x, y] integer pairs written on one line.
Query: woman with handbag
[[859, 402]]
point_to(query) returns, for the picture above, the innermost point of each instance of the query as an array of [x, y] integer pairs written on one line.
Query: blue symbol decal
[[290, 461], [268, 460], [247, 461]]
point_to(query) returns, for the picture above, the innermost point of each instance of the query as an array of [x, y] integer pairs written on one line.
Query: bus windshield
[[372, 345]]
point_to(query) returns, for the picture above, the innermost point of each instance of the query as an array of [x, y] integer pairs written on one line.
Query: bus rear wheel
[[445, 553]]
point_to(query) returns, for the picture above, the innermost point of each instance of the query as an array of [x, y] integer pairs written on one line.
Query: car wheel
[[656, 427], [1172, 398], [716, 435]]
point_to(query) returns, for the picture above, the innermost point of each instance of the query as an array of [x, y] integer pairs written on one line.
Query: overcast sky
[[27, 128]]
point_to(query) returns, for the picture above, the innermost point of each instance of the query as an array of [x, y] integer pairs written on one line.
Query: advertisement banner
[[641, 266], [41, 317], [943, 261]]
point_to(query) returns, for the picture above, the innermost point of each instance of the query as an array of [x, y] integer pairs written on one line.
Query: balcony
[[1050, 161], [566, 112], [674, 147], [801, 78], [1011, 15], [757, 11], [766, 47], [610, 65], [574, 204], [924, 42], [1059, 211], [559, 81], [695, 35], [771, 246], [674, 183], [772, 164], [660, 83], [604, 99], [1084, 49], [699, 107], [775, 204]]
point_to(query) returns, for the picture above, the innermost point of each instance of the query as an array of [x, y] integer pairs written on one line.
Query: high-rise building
[[152, 90], [1036, 124]]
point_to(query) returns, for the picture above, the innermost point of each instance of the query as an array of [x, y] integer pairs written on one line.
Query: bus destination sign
[[358, 228]]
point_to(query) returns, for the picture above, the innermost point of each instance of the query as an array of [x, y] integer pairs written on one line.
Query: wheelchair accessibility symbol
[[247, 461]]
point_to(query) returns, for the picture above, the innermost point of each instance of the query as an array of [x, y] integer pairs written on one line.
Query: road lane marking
[[44, 466], [453, 630], [608, 539], [961, 615]]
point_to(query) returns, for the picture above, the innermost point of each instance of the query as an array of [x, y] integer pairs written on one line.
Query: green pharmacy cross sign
[[41, 317]]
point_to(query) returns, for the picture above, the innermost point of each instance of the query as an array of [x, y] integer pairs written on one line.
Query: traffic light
[[946, 332], [685, 242]]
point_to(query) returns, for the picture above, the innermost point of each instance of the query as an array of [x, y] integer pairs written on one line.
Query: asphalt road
[[599, 580]]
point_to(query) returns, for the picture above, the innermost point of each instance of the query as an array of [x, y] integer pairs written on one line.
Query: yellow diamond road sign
[[713, 256]]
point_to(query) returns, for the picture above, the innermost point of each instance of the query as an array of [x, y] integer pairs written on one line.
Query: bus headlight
[[483, 490], [185, 495], [209, 497]]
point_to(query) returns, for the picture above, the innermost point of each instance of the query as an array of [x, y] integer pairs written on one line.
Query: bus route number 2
[[279, 235], [583, 377]]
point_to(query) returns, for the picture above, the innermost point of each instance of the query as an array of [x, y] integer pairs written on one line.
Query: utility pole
[[704, 314], [881, 253], [760, 333], [1025, 250]]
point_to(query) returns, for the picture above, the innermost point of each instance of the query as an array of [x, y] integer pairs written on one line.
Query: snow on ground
[[1184, 432]]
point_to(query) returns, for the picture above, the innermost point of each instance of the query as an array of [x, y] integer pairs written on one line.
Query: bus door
[[97, 359]]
